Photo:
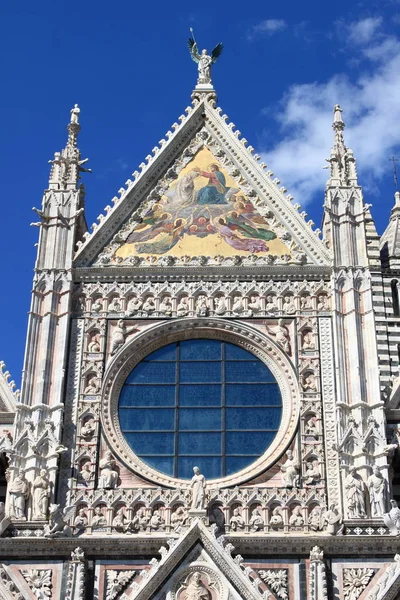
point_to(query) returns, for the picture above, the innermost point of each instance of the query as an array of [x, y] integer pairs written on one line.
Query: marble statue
[[134, 305], [237, 305], [140, 520], [236, 521], [198, 489], [377, 492], [220, 305], [115, 306], [312, 475], [179, 518], [204, 60], [355, 495], [98, 519], [392, 518], [149, 305], [97, 306], [281, 334], [166, 306], [41, 495], [94, 344], [296, 518], [109, 475], [305, 303], [93, 386], [18, 493], [308, 383], [315, 519], [322, 302], [311, 429], [57, 526], [120, 332], [290, 470], [256, 521], [81, 520], [156, 521], [201, 306], [183, 307], [119, 521], [308, 341], [88, 429], [277, 517], [196, 590], [270, 304], [75, 114], [85, 474], [332, 520], [288, 305]]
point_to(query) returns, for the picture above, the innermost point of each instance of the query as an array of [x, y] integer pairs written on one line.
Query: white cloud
[[371, 110], [363, 31], [268, 27]]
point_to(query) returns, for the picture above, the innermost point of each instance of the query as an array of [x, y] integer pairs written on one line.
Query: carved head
[[204, 52], [196, 470]]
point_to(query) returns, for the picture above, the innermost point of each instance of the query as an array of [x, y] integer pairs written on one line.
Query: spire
[[390, 240], [67, 164], [341, 159]]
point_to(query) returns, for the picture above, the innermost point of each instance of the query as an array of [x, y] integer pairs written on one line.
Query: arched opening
[[395, 297]]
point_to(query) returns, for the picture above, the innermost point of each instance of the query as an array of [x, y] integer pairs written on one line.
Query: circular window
[[200, 402]]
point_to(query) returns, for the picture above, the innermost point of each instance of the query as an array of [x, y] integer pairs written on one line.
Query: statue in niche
[[220, 305], [93, 386], [18, 493], [305, 303], [41, 495], [270, 305], [254, 304], [236, 521], [94, 344], [288, 305], [134, 305], [85, 474], [296, 519], [332, 520], [198, 489], [81, 520], [377, 492], [311, 429], [308, 383], [179, 518], [315, 519], [88, 429], [392, 518], [156, 521], [119, 521], [323, 302], [238, 305], [183, 307], [281, 334], [149, 305], [121, 331], [115, 306], [201, 306], [98, 519], [166, 306], [312, 475], [204, 60], [195, 590], [256, 521], [140, 520], [290, 470], [97, 306], [308, 340], [109, 475], [355, 495], [277, 517]]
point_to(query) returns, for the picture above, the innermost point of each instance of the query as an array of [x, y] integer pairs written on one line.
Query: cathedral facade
[[210, 396]]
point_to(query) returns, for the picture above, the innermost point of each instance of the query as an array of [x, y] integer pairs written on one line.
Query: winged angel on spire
[[204, 60]]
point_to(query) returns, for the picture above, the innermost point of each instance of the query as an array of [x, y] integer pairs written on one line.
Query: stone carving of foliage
[[39, 581], [277, 581], [355, 581], [117, 581]]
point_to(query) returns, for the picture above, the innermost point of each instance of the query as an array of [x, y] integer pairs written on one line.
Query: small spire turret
[[341, 159]]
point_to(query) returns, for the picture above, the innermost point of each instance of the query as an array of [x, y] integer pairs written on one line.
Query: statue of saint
[[256, 522], [109, 475], [75, 114], [377, 492], [19, 493], [196, 590], [204, 60], [41, 495], [355, 495], [198, 487], [290, 470], [236, 522]]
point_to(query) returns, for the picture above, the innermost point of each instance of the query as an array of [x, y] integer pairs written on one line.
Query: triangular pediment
[[202, 199], [197, 560]]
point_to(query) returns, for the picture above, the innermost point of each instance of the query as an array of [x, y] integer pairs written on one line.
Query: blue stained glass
[[200, 395], [248, 371], [197, 419], [199, 443], [235, 463], [240, 442], [200, 402], [147, 395], [254, 418], [196, 372], [156, 443], [200, 350], [149, 372], [136, 419], [253, 394], [164, 353], [161, 463], [210, 466]]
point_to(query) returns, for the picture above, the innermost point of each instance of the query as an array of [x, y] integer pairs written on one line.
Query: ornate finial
[[396, 182], [75, 114], [341, 159], [204, 62]]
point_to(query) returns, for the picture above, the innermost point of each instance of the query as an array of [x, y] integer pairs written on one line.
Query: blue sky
[[284, 66]]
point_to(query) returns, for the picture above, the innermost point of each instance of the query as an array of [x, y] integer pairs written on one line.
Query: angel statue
[[204, 60], [58, 521]]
